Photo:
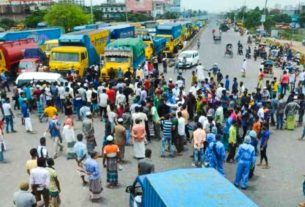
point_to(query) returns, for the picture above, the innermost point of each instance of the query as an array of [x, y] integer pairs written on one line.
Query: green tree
[[34, 18], [302, 20], [7, 23], [281, 18], [252, 18], [66, 15]]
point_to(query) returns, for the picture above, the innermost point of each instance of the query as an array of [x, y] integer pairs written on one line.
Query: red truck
[[12, 52]]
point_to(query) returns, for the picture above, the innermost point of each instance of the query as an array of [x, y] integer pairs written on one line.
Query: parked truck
[[172, 33], [198, 187], [39, 35], [121, 31], [32, 58], [78, 50], [123, 54], [90, 26], [154, 46], [11, 52]]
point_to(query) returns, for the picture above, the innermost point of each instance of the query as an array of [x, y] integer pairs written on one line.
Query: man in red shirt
[[111, 95], [171, 85]]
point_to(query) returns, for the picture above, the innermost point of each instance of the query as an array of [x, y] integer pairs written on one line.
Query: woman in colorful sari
[[69, 136], [92, 170], [110, 161]]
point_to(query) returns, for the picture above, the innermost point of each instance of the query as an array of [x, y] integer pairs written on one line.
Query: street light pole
[[91, 11]]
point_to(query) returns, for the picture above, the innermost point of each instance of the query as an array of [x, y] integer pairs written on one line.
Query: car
[[29, 77], [188, 59]]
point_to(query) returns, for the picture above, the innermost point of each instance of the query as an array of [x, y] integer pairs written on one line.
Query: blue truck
[[154, 46], [173, 33], [121, 31], [196, 187], [90, 26], [39, 35]]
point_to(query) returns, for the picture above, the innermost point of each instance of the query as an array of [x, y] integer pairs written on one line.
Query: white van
[[188, 59], [28, 77]]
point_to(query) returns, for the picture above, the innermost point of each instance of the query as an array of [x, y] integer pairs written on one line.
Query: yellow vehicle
[[49, 45], [79, 50], [172, 33], [121, 55]]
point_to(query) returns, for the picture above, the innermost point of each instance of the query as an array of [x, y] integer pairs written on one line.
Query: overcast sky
[[225, 5], [220, 5]]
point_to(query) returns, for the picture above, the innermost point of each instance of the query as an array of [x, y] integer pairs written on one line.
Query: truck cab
[[117, 59], [63, 58], [28, 65], [123, 54], [49, 45]]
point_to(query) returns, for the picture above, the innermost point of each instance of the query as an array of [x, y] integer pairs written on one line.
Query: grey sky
[[225, 5], [220, 5]]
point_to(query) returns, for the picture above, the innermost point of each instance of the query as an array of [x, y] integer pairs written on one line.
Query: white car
[[188, 59], [28, 77]]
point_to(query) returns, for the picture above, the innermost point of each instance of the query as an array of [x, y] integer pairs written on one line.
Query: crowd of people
[[217, 117]]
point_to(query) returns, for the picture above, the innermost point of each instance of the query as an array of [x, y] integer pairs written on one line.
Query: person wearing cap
[[120, 138], [246, 158], [88, 130], [111, 157], [54, 130], [92, 169], [24, 198]]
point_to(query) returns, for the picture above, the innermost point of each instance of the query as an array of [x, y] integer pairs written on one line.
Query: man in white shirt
[[260, 113], [103, 102], [179, 142], [8, 115], [219, 91], [244, 68], [40, 180], [89, 94], [61, 93], [200, 73], [139, 115], [120, 98]]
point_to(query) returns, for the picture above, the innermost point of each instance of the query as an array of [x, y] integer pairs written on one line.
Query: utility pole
[[91, 11], [266, 1]]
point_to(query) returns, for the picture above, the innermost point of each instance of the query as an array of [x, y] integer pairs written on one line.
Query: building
[[174, 6], [112, 10], [141, 6], [159, 7]]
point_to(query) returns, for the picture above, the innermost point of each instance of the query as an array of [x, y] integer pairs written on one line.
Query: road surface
[[278, 186]]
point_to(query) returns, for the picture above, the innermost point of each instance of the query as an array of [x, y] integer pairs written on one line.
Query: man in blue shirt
[[5, 81], [167, 128], [80, 150]]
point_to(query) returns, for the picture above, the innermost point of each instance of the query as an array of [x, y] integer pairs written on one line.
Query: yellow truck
[[49, 45], [79, 50], [172, 33], [123, 54]]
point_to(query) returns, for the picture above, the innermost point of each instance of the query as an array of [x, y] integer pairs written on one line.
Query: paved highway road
[[278, 186]]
